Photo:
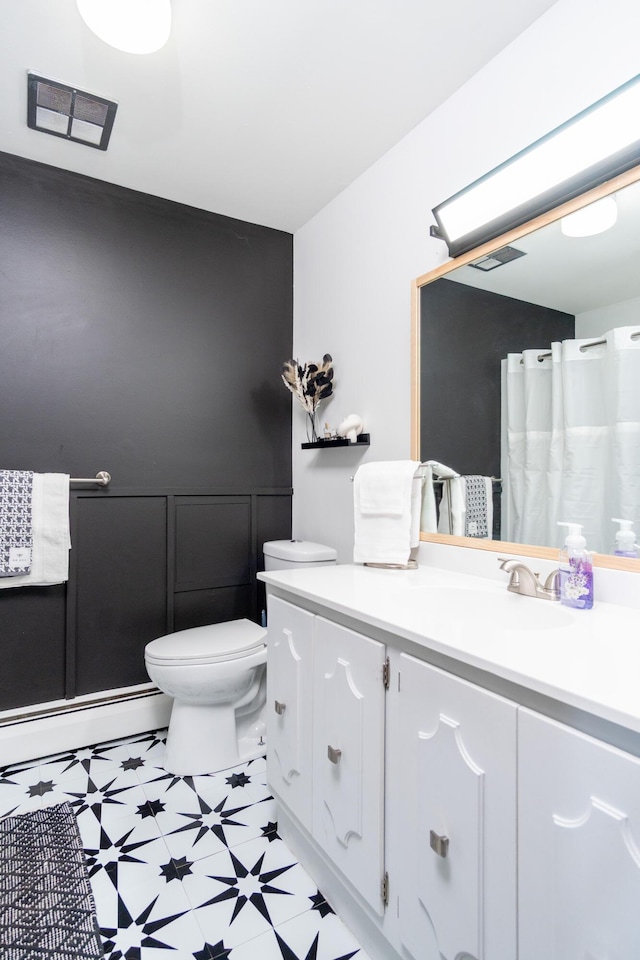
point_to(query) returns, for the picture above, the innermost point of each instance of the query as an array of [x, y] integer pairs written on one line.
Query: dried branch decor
[[309, 383]]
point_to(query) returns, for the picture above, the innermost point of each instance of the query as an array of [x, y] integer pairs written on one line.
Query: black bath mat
[[46, 905]]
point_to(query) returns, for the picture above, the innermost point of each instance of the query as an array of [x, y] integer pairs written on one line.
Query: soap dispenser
[[625, 545], [576, 570]]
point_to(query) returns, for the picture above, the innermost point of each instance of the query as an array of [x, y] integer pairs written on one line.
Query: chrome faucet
[[525, 582]]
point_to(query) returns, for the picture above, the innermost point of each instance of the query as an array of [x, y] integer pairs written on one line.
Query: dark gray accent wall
[[145, 338], [465, 333]]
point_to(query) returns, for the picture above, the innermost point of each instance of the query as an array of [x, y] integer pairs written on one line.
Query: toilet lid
[[215, 641]]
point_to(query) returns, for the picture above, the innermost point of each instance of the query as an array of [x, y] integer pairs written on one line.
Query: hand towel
[[416, 504], [452, 507], [466, 508], [386, 511], [433, 469], [440, 470], [478, 520], [381, 487], [50, 527], [16, 534], [428, 512]]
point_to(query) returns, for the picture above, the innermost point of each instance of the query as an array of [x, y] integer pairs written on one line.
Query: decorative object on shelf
[[351, 427], [309, 383]]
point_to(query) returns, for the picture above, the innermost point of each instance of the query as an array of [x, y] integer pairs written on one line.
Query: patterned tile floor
[[186, 867]]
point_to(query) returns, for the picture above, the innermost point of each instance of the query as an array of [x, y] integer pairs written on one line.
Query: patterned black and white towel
[[16, 535], [46, 905], [476, 519]]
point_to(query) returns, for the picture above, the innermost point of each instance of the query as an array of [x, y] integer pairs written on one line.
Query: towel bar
[[102, 478]]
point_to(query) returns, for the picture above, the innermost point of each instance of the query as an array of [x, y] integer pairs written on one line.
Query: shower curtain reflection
[[571, 439]]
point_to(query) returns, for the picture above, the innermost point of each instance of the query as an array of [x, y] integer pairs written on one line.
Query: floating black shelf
[[363, 441]]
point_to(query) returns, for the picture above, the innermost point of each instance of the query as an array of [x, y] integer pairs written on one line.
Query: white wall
[[354, 261], [593, 323]]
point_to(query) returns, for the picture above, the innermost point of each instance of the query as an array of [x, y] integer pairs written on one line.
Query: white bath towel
[[440, 470], [51, 538], [452, 507], [416, 503], [386, 511], [431, 470]]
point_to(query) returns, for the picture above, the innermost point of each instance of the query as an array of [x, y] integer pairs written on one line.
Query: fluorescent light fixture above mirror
[[596, 145], [135, 26]]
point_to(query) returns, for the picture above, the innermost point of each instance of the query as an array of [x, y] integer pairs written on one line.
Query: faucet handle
[[510, 566], [552, 583]]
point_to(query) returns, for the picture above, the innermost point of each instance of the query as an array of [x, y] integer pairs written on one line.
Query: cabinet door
[[289, 698], [455, 766], [348, 808], [579, 844]]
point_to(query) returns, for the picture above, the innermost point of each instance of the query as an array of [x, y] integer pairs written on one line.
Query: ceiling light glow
[[596, 218], [134, 26]]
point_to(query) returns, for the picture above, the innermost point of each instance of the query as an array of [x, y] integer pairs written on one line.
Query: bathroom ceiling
[[262, 110]]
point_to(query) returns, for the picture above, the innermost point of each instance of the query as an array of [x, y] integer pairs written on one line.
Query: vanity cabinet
[[578, 844], [348, 755], [502, 833], [289, 718], [452, 817], [446, 749], [325, 729]]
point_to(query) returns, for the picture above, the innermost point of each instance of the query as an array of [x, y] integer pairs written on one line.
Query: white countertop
[[588, 659]]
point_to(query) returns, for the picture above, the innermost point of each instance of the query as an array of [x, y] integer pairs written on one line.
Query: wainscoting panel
[[32, 632], [213, 541], [141, 565], [197, 607], [120, 578]]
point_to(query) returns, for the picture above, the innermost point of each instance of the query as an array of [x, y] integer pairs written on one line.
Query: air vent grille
[[64, 111], [497, 259]]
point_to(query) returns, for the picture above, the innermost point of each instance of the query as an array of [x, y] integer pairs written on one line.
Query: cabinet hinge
[[386, 674], [384, 889]]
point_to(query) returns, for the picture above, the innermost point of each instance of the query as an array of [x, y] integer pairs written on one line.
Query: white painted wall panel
[[354, 261]]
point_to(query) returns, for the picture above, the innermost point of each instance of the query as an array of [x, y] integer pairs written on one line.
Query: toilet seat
[[213, 643]]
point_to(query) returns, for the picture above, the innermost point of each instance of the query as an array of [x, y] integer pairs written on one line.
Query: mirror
[[565, 288]]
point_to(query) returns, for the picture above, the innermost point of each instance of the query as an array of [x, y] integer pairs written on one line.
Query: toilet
[[216, 675]]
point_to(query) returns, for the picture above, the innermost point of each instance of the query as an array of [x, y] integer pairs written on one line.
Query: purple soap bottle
[[576, 570]]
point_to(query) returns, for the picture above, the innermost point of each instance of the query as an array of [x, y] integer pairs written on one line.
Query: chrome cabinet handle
[[334, 754], [280, 707], [439, 844]]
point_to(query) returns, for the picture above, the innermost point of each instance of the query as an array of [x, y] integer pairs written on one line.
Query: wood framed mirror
[[559, 296]]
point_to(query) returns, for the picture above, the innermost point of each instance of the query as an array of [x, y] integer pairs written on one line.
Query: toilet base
[[205, 739]]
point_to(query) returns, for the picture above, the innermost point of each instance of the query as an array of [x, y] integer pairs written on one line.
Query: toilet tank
[[282, 554]]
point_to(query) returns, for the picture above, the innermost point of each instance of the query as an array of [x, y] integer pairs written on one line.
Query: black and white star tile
[[190, 867]]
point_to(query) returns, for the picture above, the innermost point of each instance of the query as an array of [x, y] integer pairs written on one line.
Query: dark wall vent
[[64, 111], [497, 259]]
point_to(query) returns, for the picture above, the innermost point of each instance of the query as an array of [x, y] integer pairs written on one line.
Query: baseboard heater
[[48, 728]]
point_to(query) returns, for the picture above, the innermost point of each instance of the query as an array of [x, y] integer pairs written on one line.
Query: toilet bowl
[[216, 675]]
